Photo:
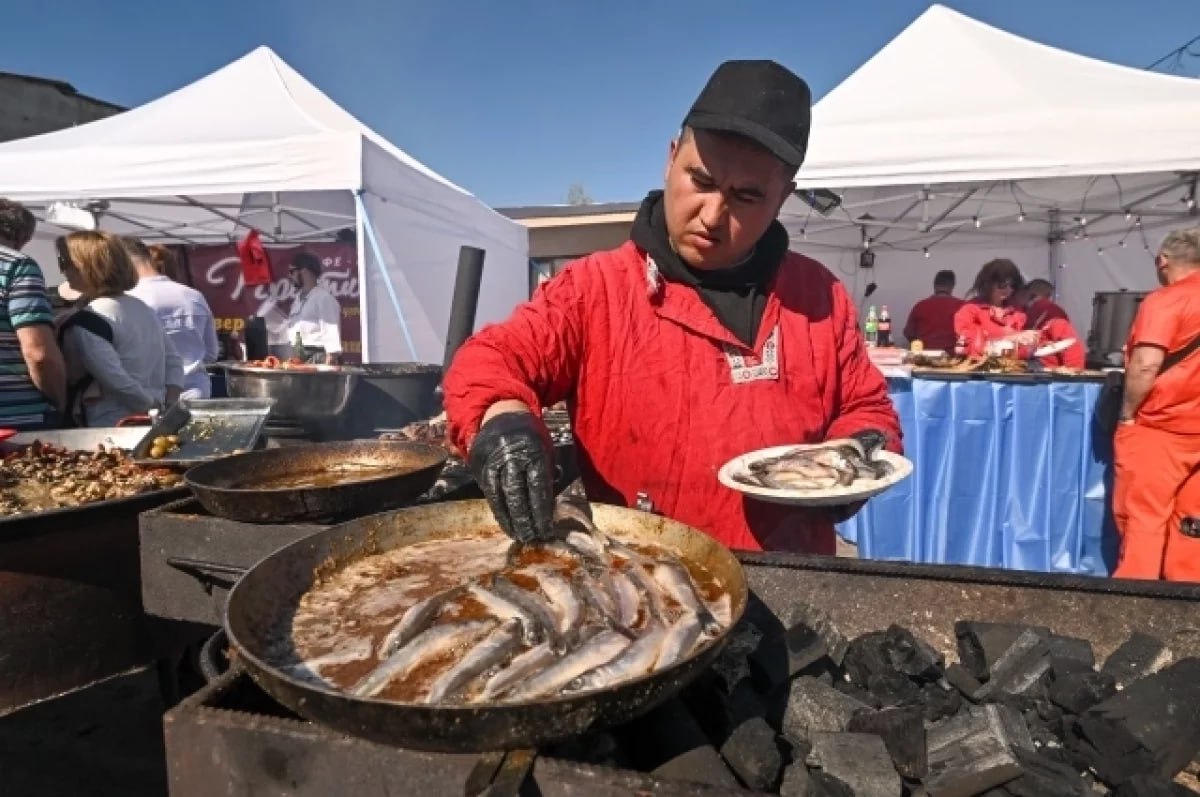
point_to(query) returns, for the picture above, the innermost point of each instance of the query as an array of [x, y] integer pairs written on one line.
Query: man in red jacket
[[700, 339], [932, 319], [1043, 314]]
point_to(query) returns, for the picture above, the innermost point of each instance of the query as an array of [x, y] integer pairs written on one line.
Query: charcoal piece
[[1151, 786], [813, 706], [974, 751], [1149, 727], [911, 656], [940, 701], [893, 689], [825, 785], [596, 747], [980, 644], [753, 755], [1139, 656], [903, 733], [797, 782], [859, 694], [1022, 667], [810, 640], [1041, 777], [963, 680], [733, 665], [860, 760], [1077, 692], [667, 742], [1071, 654], [867, 655]]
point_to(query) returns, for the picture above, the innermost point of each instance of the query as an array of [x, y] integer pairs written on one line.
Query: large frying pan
[[272, 589], [239, 487]]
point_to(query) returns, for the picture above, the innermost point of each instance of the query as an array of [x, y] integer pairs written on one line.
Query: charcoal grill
[[231, 738]]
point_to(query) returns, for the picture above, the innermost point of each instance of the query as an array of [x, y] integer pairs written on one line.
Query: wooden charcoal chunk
[[981, 644], [867, 655], [893, 689], [1071, 649], [903, 733], [1021, 668], [753, 755], [963, 680], [1042, 777], [1077, 692], [1151, 786], [910, 656], [814, 707], [1152, 726], [974, 751], [940, 701], [860, 760], [1139, 656]]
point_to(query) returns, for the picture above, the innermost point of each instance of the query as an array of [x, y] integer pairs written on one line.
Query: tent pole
[[1054, 239], [364, 318], [369, 230]]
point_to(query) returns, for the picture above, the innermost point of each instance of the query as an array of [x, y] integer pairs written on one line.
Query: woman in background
[[991, 316], [119, 362]]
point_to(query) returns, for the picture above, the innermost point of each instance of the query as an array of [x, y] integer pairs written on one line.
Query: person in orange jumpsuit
[[1156, 497], [1045, 316], [992, 316]]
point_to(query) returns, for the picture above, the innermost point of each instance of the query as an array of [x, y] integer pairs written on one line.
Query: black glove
[[511, 464]]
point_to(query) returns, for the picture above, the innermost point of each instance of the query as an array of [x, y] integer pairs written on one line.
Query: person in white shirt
[[316, 317], [119, 361], [184, 314]]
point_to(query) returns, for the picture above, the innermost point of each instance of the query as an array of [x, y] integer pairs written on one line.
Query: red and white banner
[[216, 271]]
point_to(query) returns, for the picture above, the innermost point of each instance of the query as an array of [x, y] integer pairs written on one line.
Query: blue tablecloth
[[1006, 475]]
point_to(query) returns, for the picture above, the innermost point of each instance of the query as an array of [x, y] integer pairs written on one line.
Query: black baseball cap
[[761, 100]]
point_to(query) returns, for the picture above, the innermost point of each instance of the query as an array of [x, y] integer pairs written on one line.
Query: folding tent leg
[[369, 231]]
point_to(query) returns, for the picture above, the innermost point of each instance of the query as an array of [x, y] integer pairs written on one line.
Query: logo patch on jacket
[[754, 369]]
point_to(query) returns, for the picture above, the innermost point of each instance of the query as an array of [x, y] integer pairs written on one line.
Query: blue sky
[[516, 100]]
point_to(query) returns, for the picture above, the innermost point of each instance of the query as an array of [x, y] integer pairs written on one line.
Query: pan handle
[[209, 574]]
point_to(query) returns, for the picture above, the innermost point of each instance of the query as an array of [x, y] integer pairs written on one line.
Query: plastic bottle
[[871, 327], [884, 334]]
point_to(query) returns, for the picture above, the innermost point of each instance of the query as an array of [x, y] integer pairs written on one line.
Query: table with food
[[1011, 470]]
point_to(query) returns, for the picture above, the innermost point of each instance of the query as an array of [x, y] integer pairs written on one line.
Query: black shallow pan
[[270, 591], [240, 487]]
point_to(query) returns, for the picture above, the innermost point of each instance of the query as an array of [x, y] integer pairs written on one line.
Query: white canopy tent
[[958, 142], [255, 145]]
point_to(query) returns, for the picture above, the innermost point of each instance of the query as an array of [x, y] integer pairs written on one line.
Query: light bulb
[[804, 233], [1137, 222], [926, 251], [1083, 221], [1122, 243], [975, 221], [867, 243], [1021, 216], [1100, 250], [1128, 216], [1191, 203]]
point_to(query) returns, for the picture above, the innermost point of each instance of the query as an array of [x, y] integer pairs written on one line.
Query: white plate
[[1055, 348], [834, 496]]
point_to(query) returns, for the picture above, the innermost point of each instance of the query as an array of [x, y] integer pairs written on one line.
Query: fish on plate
[[836, 463]]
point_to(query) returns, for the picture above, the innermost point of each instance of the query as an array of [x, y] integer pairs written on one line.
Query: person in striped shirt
[[33, 376]]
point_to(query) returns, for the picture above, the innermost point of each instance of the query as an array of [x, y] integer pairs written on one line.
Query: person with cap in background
[[700, 339], [931, 320], [1045, 316], [315, 319]]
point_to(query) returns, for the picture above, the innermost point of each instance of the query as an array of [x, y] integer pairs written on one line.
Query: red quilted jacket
[[661, 394]]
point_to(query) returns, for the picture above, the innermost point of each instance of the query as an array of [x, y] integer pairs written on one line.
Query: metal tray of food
[[199, 430]]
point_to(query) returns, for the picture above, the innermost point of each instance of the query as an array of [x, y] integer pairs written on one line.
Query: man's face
[[721, 194], [298, 276], [1161, 263]]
